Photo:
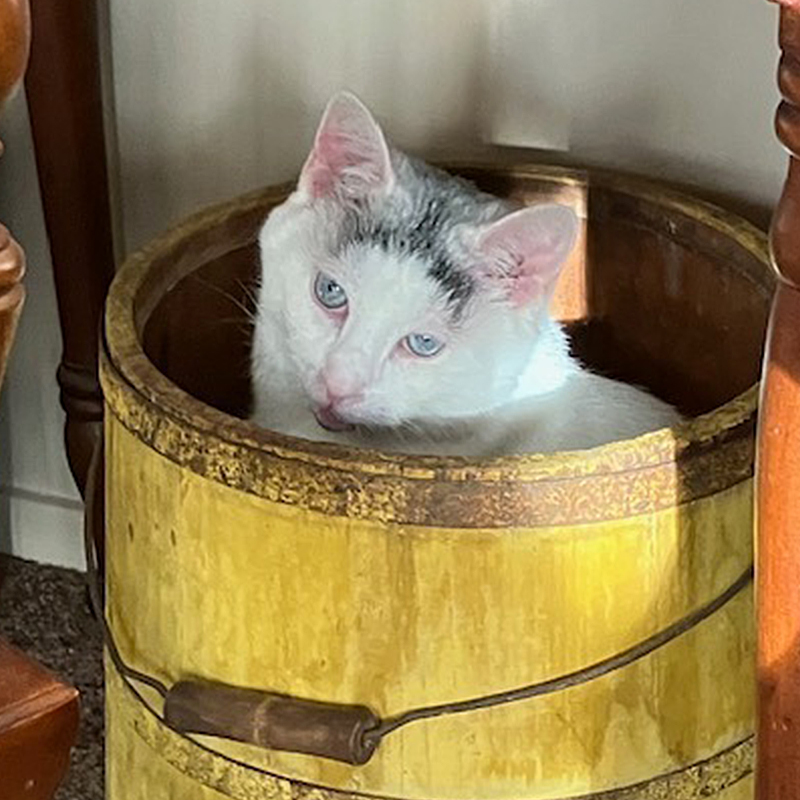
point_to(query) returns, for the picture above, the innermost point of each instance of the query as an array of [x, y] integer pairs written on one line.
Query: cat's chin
[[328, 419]]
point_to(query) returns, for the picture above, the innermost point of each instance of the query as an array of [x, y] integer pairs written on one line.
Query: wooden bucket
[[256, 560]]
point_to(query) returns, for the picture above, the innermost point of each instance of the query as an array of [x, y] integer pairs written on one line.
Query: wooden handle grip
[[272, 720]]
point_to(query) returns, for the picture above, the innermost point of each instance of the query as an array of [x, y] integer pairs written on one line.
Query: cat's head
[[401, 295]]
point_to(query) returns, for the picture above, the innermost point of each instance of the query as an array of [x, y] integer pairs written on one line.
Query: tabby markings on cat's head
[[392, 293]]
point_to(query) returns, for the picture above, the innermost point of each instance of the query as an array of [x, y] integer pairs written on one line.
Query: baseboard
[[40, 527]]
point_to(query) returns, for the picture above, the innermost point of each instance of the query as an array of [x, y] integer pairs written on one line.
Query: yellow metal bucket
[[240, 556]]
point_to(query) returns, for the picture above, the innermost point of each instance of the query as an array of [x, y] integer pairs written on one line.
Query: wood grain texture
[[38, 726], [271, 720], [779, 557], [38, 713], [64, 97], [14, 44], [778, 467], [14, 48]]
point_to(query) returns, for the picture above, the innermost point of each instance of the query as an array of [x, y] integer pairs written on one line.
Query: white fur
[[504, 381]]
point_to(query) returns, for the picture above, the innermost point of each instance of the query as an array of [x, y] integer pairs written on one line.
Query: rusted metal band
[[241, 781], [624, 479], [632, 481]]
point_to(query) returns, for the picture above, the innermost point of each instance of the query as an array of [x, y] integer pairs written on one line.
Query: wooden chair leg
[[38, 726], [38, 713], [65, 102], [14, 50], [778, 469]]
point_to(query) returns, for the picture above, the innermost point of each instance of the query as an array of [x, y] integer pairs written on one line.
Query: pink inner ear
[[523, 253], [350, 157]]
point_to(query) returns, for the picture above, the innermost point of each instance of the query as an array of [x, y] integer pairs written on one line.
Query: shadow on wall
[[199, 124], [631, 84], [679, 90]]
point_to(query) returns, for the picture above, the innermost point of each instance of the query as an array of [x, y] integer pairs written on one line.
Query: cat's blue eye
[[329, 293], [423, 344]]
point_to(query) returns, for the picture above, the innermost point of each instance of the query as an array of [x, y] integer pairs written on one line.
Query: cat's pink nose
[[340, 387], [336, 398]]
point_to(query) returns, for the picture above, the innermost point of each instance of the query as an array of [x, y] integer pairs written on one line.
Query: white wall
[[684, 89], [215, 98]]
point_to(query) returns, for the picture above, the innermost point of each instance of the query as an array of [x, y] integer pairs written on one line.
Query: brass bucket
[[239, 556]]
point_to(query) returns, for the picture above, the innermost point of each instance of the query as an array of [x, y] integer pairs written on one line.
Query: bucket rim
[[127, 371]]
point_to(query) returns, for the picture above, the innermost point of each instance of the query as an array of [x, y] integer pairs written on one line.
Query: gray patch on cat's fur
[[419, 219]]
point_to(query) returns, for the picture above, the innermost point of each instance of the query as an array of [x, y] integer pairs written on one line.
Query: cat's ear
[[350, 158], [520, 256]]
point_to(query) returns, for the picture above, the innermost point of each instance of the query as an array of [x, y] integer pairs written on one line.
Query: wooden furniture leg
[[38, 712], [14, 47], [778, 468], [65, 102], [38, 725]]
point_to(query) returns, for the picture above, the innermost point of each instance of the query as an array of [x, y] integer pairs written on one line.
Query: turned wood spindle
[[38, 713], [778, 467], [14, 48], [14, 44], [65, 100]]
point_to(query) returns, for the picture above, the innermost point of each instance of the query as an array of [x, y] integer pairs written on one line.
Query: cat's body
[[402, 309]]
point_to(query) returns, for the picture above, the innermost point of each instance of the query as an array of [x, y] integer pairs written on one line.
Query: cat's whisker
[[249, 292], [249, 312]]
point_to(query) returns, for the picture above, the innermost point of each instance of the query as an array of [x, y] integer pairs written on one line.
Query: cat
[[400, 308]]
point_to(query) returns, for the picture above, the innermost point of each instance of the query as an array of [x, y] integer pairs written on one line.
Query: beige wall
[[215, 98], [679, 88]]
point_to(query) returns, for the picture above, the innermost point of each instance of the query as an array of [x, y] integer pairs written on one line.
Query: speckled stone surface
[[45, 612]]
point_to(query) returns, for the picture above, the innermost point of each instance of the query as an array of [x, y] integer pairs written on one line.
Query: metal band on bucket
[[241, 781]]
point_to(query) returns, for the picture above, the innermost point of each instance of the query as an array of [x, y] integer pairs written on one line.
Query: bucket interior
[[661, 291]]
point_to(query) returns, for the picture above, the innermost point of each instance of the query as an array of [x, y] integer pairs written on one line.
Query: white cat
[[400, 308]]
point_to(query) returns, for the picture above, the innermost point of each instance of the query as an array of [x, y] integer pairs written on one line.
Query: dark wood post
[[778, 468], [65, 101], [38, 713]]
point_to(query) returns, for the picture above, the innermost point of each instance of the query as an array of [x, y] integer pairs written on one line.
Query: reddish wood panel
[[14, 44], [779, 558], [64, 97], [38, 725], [778, 468]]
